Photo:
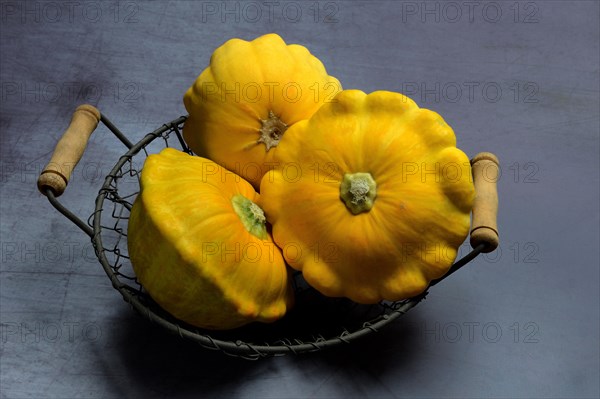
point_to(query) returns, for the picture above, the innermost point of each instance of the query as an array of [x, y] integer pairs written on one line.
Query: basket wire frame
[[317, 322]]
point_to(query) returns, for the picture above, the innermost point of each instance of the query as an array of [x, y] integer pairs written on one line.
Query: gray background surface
[[520, 79]]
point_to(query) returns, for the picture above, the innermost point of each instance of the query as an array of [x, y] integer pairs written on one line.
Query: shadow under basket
[[316, 322]]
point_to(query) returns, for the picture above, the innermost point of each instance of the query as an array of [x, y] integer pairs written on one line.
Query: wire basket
[[316, 322]]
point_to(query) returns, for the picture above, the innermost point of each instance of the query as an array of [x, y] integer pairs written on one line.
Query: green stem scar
[[271, 131], [251, 215], [358, 191]]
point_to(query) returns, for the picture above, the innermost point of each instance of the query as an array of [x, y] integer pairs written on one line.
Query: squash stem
[[252, 216], [271, 131], [358, 191]]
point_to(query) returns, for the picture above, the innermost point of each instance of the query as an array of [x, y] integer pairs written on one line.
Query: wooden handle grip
[[484, 228], [69, 150]]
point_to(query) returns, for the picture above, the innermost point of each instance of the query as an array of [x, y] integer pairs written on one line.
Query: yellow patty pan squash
[[242, 104], [371, 198], [199, 245]]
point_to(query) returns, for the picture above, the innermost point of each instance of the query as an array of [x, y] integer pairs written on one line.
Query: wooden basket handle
[[69, 150], [484, 229]]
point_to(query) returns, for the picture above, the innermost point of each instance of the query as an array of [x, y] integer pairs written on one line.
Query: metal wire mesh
[[315, 322]]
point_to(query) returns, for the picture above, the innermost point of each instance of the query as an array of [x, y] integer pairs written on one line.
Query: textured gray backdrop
[[520, 79]]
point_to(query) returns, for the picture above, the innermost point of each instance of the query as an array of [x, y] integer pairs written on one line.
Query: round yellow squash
[[199, 245], [371, 198], [242, 104]]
